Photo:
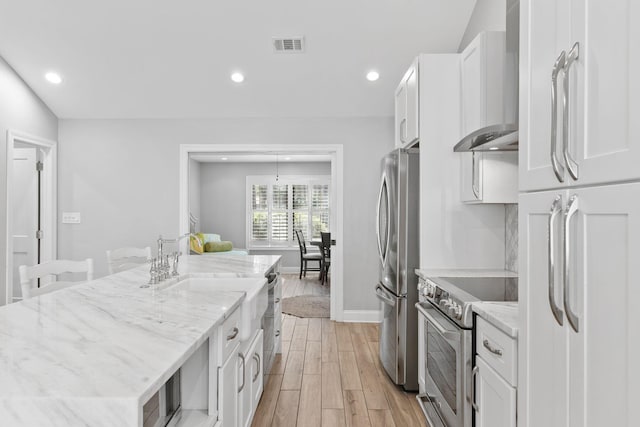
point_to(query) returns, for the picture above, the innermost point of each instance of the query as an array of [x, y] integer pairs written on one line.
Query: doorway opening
[[218, 189], [31, 206]]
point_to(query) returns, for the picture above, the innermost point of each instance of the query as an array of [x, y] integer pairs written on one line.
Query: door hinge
[[39, 166], [39, 234]]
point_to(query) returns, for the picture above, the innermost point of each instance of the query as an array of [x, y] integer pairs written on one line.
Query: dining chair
[[126, 258], [326, 255], [305, 256], [30, 274]]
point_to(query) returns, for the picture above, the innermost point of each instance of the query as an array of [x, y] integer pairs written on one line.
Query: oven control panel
[[429, 291]]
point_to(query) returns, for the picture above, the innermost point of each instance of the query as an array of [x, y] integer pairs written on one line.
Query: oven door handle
[[450, 335]]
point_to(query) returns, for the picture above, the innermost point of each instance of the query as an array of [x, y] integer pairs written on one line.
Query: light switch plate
[[71, 217]]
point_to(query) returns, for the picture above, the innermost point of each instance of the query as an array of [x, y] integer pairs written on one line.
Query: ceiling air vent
[[288, 44]]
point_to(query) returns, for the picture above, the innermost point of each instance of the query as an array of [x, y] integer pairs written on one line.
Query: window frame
[[289, 180]]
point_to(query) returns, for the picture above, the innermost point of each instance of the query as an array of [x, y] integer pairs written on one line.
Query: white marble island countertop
[[94, 353]]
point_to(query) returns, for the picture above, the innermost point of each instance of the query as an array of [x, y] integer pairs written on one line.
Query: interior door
[[25, 212]]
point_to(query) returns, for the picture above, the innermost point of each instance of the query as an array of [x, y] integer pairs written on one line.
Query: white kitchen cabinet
[[567, 361], [495, 398], [251, 382], [407, 111], [482, 81], [495, 376], [489, 177], [228, 384], [599, 135]]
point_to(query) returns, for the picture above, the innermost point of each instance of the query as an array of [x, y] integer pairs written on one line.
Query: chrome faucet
[[161, 269]]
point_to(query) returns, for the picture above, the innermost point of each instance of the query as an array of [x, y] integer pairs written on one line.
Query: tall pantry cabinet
[[579, 213]]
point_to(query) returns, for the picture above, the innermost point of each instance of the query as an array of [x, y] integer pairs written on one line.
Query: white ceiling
[[172, 59]]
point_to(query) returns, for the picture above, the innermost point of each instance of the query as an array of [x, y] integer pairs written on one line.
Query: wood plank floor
[[329, 374]]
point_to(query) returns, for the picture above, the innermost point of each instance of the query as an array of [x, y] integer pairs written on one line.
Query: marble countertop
[[463, 272], [92, 354], [502, 315]]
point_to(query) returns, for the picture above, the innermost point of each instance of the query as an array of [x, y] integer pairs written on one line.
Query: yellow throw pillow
[[196, 245], [218, 246]]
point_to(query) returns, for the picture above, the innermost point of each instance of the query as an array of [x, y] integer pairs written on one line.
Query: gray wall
[[20, 110], [223, 199], [488, 15], [122, 175]]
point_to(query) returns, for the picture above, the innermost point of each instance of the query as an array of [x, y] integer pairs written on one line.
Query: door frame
[[337, 191], [49, 190]]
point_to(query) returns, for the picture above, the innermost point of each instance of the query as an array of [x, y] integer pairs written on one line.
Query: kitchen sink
[[253, 306]]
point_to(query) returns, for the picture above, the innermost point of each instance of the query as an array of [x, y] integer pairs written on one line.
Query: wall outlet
[[71, 217]]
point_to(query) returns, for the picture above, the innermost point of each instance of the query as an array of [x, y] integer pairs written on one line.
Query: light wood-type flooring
[[329, 374]]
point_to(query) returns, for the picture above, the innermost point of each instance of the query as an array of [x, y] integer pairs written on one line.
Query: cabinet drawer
[[229, 334], [499, 350]]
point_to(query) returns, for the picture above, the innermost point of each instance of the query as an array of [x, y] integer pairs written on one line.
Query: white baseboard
[[362, 316]]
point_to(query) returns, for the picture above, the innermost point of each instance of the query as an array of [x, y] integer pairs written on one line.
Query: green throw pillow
[[218, 246]]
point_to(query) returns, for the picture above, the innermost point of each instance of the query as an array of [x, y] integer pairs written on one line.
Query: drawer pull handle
[[489, 347], [233, 334], [278, 333], [277, 300]]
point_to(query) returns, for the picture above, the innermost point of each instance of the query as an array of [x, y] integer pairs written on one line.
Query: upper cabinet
[[580, 77], [486, 177], [407, 108], [482, 82]]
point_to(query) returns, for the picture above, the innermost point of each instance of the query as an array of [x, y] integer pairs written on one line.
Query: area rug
[[307, 306]]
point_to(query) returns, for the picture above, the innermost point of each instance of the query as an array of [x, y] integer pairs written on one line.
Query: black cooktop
[[484, 288]]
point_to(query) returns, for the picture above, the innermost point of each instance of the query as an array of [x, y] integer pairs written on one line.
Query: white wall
[[21, 110], [122, 175], [488, 15], [194, 191], [223, 199]]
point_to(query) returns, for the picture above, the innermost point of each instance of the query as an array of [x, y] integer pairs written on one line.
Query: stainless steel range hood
[[502, 136]]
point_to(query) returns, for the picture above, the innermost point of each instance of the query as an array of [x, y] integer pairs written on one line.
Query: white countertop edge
[[502, 315]]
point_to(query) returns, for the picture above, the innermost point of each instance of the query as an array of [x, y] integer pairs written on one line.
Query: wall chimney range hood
[[502, 136]]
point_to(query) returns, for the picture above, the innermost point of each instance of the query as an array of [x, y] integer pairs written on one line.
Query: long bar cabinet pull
[[556, 208], [558, 169], [572, 165], [572, 209]]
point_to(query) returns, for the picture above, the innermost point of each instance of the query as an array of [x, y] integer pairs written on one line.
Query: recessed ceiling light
[[53, 78], [237, 77], [224, 158], [493, 148], [287, 158], [373, 75]]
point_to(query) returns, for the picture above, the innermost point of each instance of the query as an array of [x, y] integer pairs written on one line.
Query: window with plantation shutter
[[278, 207]]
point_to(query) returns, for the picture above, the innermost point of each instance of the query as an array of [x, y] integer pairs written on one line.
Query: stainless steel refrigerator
[[398, 246]]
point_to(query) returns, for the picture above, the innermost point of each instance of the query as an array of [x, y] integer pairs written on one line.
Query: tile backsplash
[[511, 237]]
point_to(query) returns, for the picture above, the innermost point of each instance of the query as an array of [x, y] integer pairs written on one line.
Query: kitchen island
[[93, 354]]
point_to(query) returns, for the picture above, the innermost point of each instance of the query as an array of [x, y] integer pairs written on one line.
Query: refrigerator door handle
[[381, 252], [381, 294]]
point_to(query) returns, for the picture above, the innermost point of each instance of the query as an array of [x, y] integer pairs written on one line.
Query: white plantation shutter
[[300, 205], [275, 209], [319, 209], [280, 213], [260, 213]]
